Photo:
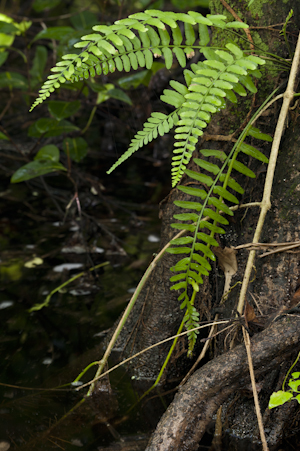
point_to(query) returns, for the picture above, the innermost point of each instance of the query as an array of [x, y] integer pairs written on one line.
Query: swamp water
[[48, 348]]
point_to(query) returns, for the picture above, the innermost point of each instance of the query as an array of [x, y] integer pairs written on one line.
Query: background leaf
[[40, 5], [13, 80], [76, 147], [45, 161], [50, 127], [53, 33], [61, 110]]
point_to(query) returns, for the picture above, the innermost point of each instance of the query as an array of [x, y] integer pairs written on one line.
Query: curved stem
[[266, 202]]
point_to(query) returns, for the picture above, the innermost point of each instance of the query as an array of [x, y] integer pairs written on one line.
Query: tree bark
[[185, 421], [157, 314]]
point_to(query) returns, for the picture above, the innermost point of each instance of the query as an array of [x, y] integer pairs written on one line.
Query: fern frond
[[131, 43], [157, 124], [209, 84], [214, 194]]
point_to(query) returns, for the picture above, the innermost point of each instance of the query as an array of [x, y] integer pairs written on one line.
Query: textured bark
[[275, 279], [184, 423]]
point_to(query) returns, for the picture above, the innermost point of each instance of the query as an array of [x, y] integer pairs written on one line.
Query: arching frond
[[210, 200], [131, 43]]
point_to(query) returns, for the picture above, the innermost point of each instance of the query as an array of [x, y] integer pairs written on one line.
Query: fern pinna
[[134, 42], [206, 216]]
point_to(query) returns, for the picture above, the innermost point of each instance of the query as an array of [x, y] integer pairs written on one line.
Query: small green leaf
[[236, 24], [178, 286], [205, 179], [180, 55], [296, 375], [182, 240], [57, 33], [207, 239], [199, 259], [61, 110], [229, 77], [177, 36], [179, 250], [200, 19], [45, 161], [279, 398], [50, 127], [240, 167], [206, 251], [238, 88], [256, 133], [148, 58], [225, 56], [188, 204], [212, 227], [222, 84], [118, 94], [210, 167], [84, 20], [294, 384], [238, 53], [179, 226], [3, 57], [13, 80], [49, 152], [186, 217], [215, 216], [256, 59], [248, 83], [253, 152], [234, 68], [107, 46], [177, 277], [172, 98], [203, 34], [189, 34], [41, 5], [220, 206], [3, 136], [225, 194], [179, 87], [231, 96], [8, 28], [76, 148], [193, 191]]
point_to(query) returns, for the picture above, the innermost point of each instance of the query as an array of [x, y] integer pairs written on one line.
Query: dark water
[[45, 349]]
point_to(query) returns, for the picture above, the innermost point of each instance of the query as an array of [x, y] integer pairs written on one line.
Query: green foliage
[[282, 396], [45, 161], [62, 112], [134, 43], [218, 188], [131, 43]]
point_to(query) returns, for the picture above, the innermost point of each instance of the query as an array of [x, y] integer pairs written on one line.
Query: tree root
[[185, 421]]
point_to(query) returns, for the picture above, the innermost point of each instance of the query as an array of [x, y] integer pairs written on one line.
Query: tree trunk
[[157, 314]]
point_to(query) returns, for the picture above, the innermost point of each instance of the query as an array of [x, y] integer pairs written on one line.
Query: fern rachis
[[134, 42]]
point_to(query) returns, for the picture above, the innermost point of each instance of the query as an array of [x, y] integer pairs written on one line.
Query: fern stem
[[266, 202], [90, 120], [286, 376]]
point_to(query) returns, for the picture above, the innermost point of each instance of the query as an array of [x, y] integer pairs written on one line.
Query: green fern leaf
[[180, 55], [253, 152], [204, 35], [157, 123], [220, 206], [256, 133]]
